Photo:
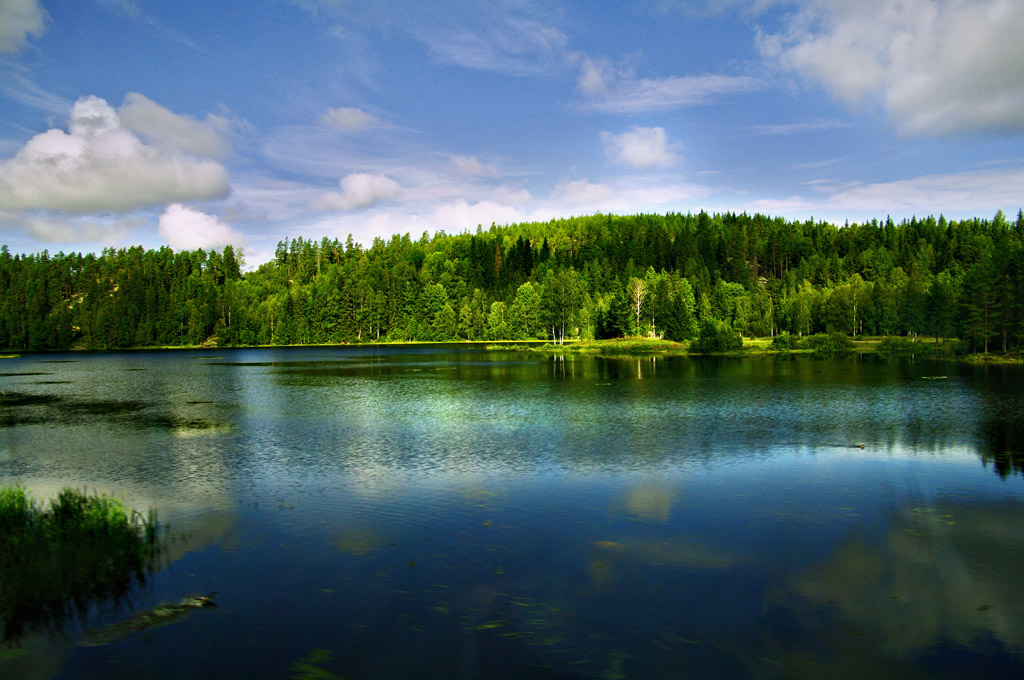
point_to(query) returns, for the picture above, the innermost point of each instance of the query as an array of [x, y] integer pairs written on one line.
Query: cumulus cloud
[[938, 67], [470, 166], [349, 118], [101, 166], [610, 90], [173, 131], [640, 147], [19, 19], [358, 191], [186, 228]]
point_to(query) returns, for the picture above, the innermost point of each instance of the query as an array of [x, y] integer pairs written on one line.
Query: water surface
[[447, 512]]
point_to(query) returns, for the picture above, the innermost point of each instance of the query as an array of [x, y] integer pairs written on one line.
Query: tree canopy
[[582, 277]]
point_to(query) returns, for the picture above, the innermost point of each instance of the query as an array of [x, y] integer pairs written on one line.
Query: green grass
[[610, 347], [59, 559]]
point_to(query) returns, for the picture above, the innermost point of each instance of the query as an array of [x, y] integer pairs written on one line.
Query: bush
[[717, 336], [827, 345], [898, 345], [57, 562], [783, 342]]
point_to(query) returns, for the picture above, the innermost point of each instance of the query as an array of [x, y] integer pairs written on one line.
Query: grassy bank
[[610, 347], [59, 559], [817, 345]]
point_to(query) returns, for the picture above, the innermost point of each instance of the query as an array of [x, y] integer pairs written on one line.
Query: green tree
[[524, 316], [497, 325]]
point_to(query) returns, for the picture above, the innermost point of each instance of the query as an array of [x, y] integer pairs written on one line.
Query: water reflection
[[650, 502], [942, 578], [470, 514]]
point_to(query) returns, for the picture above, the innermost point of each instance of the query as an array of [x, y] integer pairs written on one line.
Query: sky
[[198, 124]]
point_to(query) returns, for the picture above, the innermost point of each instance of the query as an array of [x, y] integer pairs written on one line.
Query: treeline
[[585, 277]]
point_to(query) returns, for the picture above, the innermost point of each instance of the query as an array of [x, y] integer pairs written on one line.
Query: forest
[[596, 276]]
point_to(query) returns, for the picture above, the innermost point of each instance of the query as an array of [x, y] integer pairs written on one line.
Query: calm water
[[455, 513]]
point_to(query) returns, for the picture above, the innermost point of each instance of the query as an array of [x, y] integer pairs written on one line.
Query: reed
[[57, 560]]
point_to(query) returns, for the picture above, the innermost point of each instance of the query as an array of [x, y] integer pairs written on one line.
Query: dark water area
[[449, 512]]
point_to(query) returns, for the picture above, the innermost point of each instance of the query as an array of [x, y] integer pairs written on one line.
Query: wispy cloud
[[974, 192], [813, 165], [515, 37], [511, 37], [609, 90], [133, 11], [980, 192], [349, 118], [470, 166], [782, 129], [16, 85]]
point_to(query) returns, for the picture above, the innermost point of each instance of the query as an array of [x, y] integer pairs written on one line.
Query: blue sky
[[197, 124]]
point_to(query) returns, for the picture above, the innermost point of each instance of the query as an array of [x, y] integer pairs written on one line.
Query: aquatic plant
[[58, 560], [312, 666]]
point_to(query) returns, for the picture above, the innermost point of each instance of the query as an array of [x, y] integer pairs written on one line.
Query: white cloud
[[186, 228], [64, 230], [640, 147], [782, 129], [509, 36], [609, 90], [974, 193], [582, 192], [16, 84], [172, 131], [349, 118], [100, 166], [358, 191], [461, 215], [469, 165], [508, 196], [938, 67], [980, 192], [18, 20]]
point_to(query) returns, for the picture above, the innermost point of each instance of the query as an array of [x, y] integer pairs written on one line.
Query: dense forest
[[584, 277]]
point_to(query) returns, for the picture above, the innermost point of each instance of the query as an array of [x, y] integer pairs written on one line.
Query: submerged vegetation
[[59, 560], [705, 278]]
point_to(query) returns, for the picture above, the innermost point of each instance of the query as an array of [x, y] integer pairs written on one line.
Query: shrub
[[831, 344], [783, 342], [717, 336], [898, 345]]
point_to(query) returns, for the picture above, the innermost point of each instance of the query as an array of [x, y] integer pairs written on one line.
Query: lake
[[452, 512]]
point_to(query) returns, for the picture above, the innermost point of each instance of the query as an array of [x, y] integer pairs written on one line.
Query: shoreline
[[626, 347]]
